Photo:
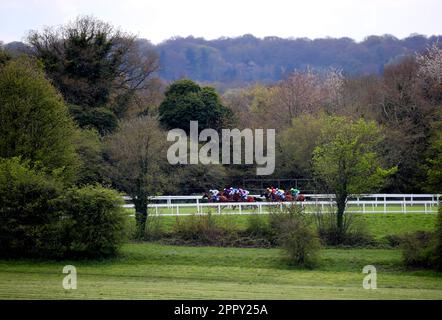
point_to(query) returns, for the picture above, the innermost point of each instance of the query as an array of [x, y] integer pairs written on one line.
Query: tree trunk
[[140, 214], [341, 201]]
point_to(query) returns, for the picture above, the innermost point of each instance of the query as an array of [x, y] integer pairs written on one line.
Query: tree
[[434, 167], [297, 143], [186, 101], [300, 93], [97, 68], [256, 107], [407, 116], [34, 120], [90, 151], [347, 162], [430, 72], [4, 56], [136, 153], [433, 163]]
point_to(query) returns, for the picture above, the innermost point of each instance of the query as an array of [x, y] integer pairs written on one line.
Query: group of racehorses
[[240, 195]]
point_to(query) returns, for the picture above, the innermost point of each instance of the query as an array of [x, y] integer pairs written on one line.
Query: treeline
[[232, 62]]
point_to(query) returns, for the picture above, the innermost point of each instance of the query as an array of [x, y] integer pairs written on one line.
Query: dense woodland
[[107, 76], [232, 62]]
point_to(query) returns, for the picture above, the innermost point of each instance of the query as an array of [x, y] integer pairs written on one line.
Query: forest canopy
[[231, 62]]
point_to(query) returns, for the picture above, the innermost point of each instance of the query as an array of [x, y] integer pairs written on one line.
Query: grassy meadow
[[157, 271]]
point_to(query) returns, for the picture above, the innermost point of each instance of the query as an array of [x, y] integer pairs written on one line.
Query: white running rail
[[379, 203]]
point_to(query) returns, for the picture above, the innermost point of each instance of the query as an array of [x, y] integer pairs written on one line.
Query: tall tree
[[136, 153], [347, 161], [34, 120], [186, 101], [97, 68]]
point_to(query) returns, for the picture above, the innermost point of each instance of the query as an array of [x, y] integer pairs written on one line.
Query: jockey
[[233, 191], [295, 192], [215, 195], [280, 193], [244, 194]]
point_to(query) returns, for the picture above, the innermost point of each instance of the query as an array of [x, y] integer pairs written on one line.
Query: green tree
[[136, 153], [90, 151], [97, 68], [433, 164], [347, 160], [186, 101], [4, 56], [296, 145], [34, 120]]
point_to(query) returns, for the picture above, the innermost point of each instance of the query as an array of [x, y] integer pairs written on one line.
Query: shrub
[[438, 249], [418, 249], [354, 233], [296, 235], [424, 249], [258, 226], [154, 228], [29, 223], [38, 219], [206, 230], [95, 221], [393, 240], [198, 228]]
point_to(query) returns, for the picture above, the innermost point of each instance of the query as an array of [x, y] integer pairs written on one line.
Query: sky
[[159, 20]]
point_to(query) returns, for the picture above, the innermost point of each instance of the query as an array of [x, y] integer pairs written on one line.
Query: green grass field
[[152, 271], [155, 271]]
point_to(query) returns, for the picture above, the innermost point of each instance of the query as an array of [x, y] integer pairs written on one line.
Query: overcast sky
[[158, 20]]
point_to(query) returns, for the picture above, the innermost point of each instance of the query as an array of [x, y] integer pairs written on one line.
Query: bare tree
[[300, 93], [430, 63], [136, 153], [334, 89], [430, 73]]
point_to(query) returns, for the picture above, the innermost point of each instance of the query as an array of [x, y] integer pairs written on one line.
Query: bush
[[393, 240], [418, 249], [40, 220], [296, 235], [95, 221], [355, 231], [424, 249], [154, 228], [29, 223], [258, 226], [198, 228], [438, 249]]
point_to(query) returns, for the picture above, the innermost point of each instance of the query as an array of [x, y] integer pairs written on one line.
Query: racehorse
[[271, 197], [224, 197]]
